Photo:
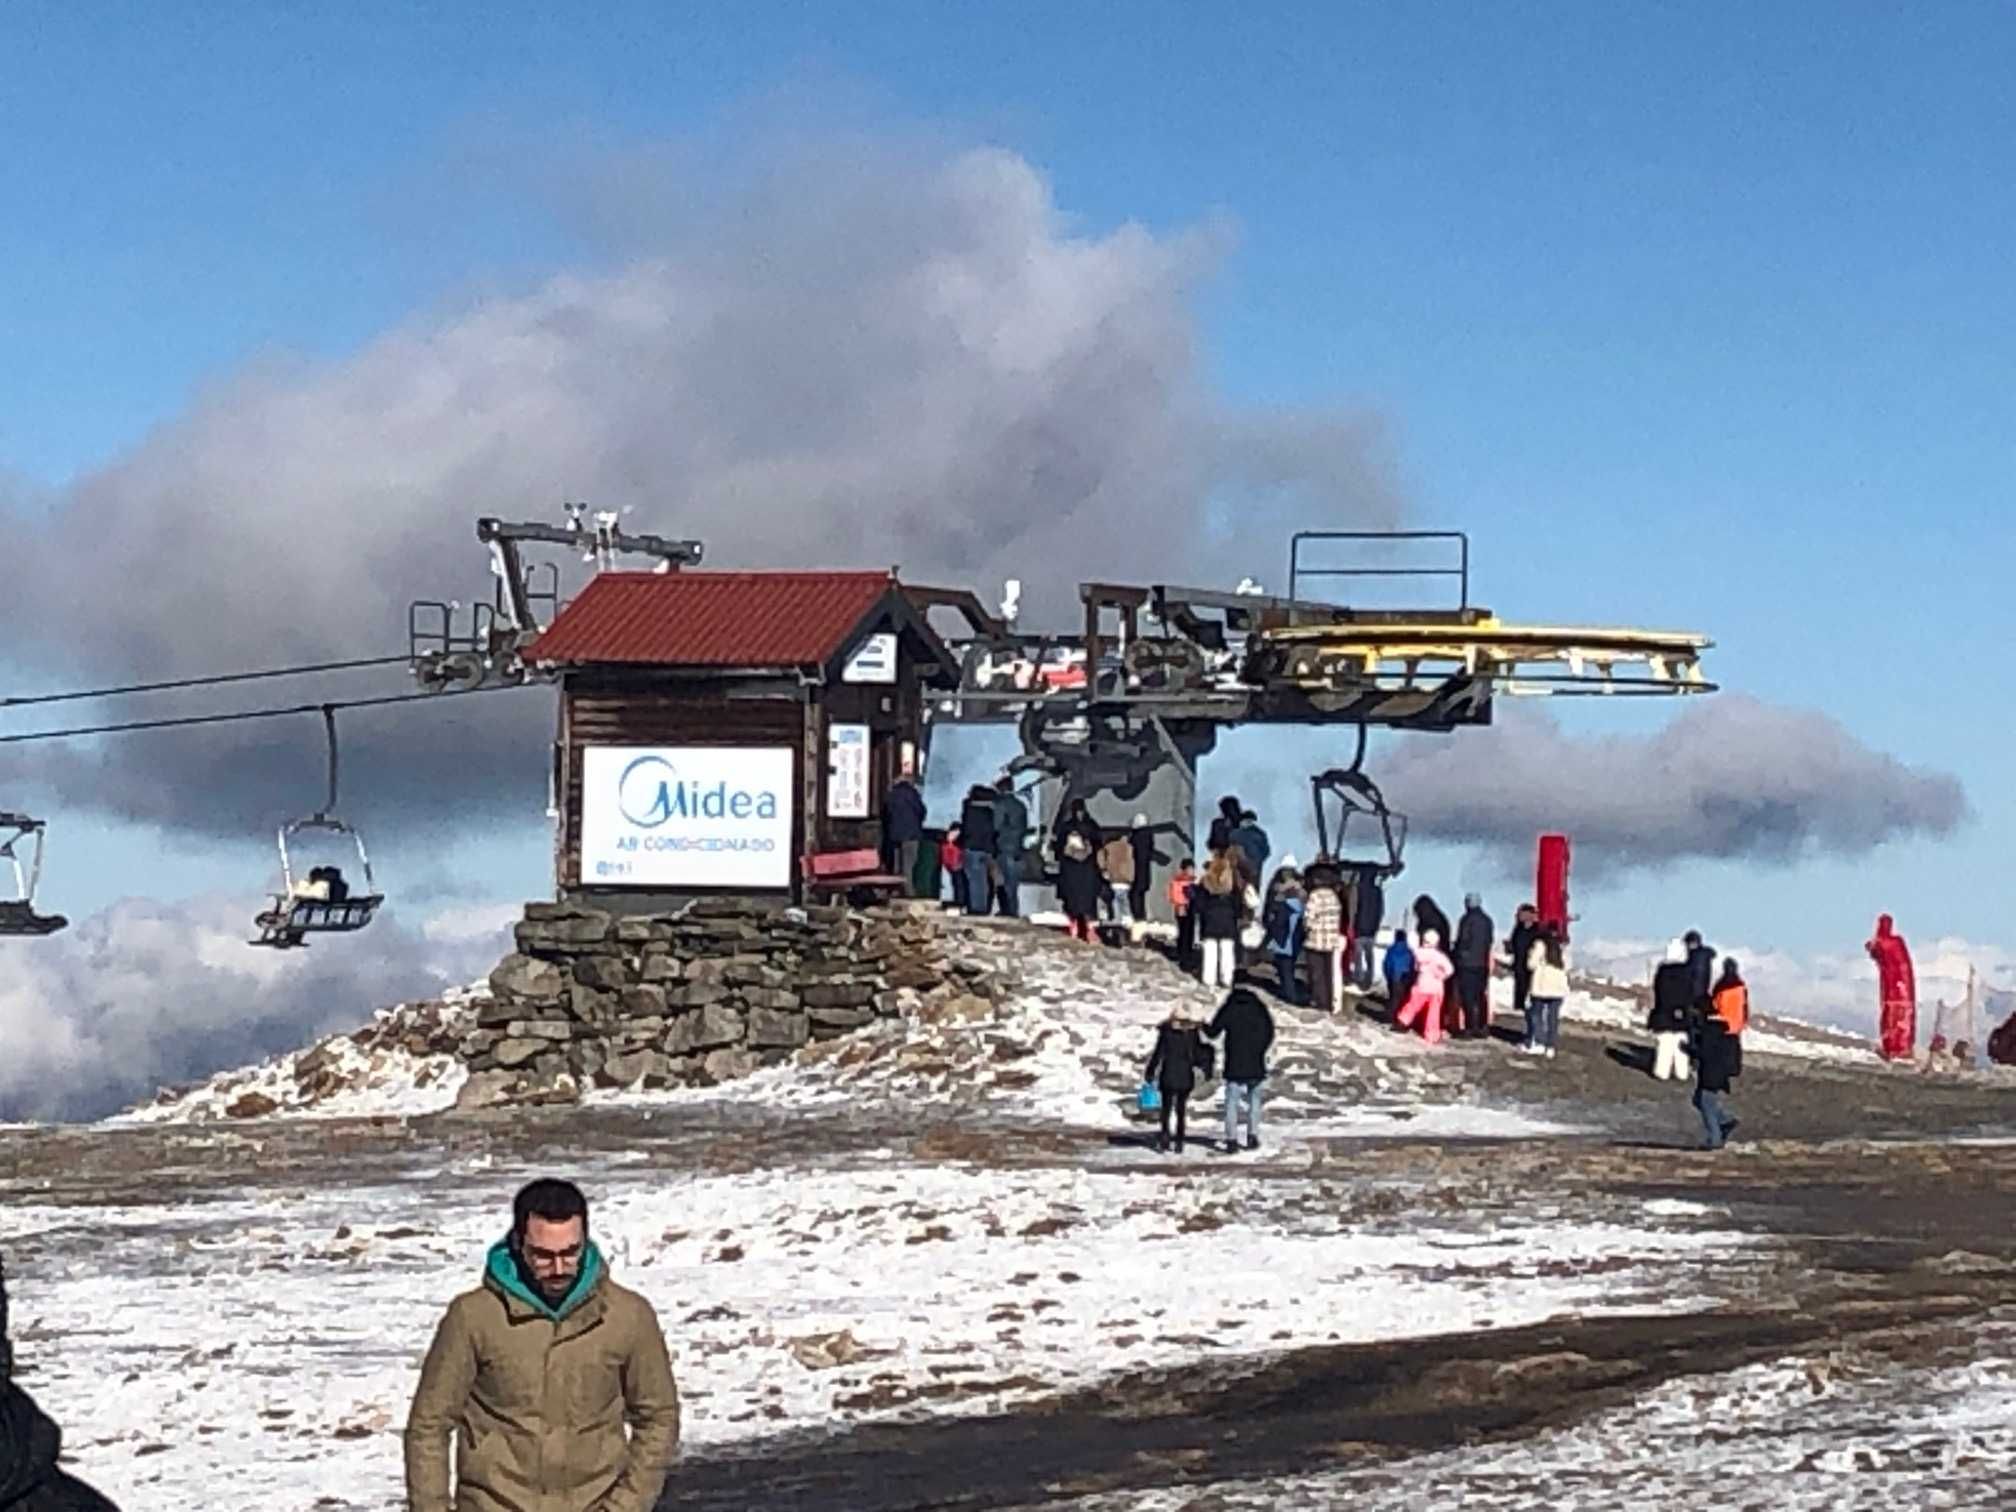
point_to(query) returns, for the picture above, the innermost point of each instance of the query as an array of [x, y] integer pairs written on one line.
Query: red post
[[1550, 892]]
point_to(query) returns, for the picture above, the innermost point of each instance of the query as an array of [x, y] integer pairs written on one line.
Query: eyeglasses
[[568, 1256]]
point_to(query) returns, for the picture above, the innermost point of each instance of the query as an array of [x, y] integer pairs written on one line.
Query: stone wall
[[695, 997]]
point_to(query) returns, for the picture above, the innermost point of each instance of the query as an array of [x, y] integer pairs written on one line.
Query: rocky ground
[[934, 1265]]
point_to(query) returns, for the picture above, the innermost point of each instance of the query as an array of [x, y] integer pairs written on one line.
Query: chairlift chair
[[298, 912], [1353, 795], [17, 914]]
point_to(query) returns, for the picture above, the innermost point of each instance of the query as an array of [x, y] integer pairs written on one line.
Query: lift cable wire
[[214, 680], [236, 715]]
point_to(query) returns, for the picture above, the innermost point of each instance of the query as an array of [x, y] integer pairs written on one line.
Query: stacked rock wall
[[695, 997]]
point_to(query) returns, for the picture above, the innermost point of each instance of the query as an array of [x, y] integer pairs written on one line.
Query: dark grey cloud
[[148, 994], [868, 354], [1728, 778]]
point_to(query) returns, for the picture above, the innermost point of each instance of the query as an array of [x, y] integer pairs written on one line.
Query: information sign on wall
[[686, 817], [847, 771]]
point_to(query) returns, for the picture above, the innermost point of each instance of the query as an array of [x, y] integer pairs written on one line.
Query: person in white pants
[[1672, 1006], [1219, 905]]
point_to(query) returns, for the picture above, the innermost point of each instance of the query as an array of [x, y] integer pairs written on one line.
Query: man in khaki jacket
[[534, 1375]]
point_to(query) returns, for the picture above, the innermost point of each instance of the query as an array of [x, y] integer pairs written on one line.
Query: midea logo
[[650, 793]]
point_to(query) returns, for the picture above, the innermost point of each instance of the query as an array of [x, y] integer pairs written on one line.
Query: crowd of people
[[1313, 930]]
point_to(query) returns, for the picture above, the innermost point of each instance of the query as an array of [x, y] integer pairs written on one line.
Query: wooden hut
[[732, 733]]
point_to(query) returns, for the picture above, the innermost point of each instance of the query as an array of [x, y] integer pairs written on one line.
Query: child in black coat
[[1179, 1060]]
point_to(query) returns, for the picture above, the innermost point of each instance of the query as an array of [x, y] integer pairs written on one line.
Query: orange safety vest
[[1732, 1006]]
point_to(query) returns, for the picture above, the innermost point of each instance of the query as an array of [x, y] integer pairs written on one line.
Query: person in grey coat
[[1011, 840]]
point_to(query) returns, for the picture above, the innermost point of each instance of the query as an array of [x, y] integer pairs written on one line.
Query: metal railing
[[1297, 572]]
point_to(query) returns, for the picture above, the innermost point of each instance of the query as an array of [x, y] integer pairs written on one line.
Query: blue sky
[[1695, 314]]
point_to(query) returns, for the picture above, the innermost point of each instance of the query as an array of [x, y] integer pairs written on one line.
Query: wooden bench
[[848, 871]]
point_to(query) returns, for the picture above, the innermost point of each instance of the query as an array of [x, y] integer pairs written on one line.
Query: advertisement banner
[[847, 771], [687, 817]]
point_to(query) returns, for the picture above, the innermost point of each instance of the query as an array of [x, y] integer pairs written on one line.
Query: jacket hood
[[501, 1271], [1885, 926], [1229, 884]]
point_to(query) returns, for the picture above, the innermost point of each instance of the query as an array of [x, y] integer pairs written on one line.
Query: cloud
[[865, 355], [150, 994], [1728, 778]]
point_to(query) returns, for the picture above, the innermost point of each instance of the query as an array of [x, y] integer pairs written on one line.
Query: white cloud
[[861, 355], [147, 994]]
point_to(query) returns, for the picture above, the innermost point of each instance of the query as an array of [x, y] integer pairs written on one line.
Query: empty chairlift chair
[[323, 901]]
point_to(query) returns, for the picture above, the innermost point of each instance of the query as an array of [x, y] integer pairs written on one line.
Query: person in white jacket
[[1547, 966]]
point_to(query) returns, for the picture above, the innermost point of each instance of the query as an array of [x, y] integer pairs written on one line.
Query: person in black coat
[[1229, 809], [1142, 839], [1476, 936], [1249, 1034], [1519, 947], [903, 828], [1369, 914], [1427, 916], [1219, 901], [1173, 1068], [1078, 841], [1717, 1061], [976, 835], [1700, 965], [30, 1445], [1672, 1014]]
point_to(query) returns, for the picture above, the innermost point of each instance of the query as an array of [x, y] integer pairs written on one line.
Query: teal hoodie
[[502, 1269]]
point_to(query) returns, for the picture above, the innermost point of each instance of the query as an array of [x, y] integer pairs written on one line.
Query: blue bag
[[1150, 1098]]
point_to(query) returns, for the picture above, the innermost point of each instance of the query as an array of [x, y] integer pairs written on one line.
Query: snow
[[1854, 1433], [379, 1079], [257, 1349], [265, 1348]]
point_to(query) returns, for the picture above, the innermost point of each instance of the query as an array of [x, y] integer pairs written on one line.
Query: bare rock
[[519, 1051], [631, 1067], [485, 1089], [725, 1066], [659, 969], [609, 973], [712, 1028], [838, 1020], [252, 1105], [644, 1002], [546, 1029], [769, 1029], [527, 977], [696, 994]]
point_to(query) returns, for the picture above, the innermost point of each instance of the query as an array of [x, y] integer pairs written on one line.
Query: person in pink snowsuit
[[1898, 984], [1432, 970]]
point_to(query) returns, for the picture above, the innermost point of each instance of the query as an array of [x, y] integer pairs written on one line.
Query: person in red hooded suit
[[1899, 987]]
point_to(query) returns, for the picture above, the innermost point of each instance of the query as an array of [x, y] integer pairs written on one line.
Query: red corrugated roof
[[712, 619]]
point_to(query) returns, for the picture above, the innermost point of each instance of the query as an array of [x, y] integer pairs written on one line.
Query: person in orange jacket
[[1180, 886], [1731, 997]]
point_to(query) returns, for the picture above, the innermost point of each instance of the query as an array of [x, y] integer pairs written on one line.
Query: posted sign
[[688, 817], [847, 748]]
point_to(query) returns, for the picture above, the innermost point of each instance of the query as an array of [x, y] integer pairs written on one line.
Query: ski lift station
[[736, 733]]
